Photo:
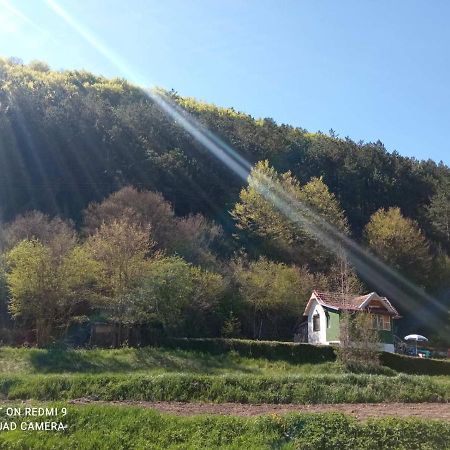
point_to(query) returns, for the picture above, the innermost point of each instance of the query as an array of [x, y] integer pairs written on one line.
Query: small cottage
[[324, 309]]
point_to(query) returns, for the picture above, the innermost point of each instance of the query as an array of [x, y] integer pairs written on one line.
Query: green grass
[[343, 388], [203, 356], [187, 375], [119, 427], [147, 360]]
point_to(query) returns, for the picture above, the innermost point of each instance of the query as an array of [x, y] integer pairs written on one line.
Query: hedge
[[303, 353], [418, 366], [271, 350]]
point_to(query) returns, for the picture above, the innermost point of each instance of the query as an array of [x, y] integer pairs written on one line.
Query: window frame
[[386, 322], [382, 322], [316, 322]]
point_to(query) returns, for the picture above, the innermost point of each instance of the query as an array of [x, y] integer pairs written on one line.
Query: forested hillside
[[72, 139]]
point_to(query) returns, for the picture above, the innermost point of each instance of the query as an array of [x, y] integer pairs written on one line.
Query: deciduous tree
[[121, 247], [275, 295], [293, 234], [46, 289], [400, 243]]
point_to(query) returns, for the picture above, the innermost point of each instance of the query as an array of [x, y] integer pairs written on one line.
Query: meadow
[[154, 360], [170, 374], [123, 427]]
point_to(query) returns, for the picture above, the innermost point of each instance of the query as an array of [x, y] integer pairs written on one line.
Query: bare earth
[[361, 411]]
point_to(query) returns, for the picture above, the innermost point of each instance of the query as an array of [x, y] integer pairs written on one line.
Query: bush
[[304, 353], [417, 366], [271, 350], [358, 349]]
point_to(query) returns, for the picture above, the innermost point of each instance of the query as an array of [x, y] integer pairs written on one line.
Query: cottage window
[[386, 323], [316, 322], [382, 322]]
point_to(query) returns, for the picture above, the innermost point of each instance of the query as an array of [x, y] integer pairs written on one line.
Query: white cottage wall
[[317, 337]]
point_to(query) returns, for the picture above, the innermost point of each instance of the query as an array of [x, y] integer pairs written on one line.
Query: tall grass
[[203, 356], [120, 428], [345, 388], [148, 359]]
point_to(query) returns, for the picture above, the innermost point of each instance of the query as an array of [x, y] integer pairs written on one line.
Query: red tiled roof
[[350, 302], [340, 301]]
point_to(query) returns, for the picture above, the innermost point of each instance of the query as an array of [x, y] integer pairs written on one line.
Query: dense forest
[[111, 209]]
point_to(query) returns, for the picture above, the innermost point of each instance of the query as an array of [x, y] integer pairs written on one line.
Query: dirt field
[[361, 411]]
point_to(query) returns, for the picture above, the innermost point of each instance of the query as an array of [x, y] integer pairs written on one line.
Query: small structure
[[324, 309]]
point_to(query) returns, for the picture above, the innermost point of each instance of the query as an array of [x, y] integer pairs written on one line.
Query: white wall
[[387, 348], [317, 337]]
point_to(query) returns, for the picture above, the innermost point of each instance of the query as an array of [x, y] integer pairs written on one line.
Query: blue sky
[[368, 69]]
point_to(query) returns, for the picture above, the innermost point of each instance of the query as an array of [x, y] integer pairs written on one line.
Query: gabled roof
[[352, 302]]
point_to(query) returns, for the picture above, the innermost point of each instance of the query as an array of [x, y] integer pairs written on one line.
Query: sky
[[367, 69]]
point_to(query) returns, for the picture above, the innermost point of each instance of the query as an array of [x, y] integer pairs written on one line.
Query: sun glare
[[370, 267], [12, 18]]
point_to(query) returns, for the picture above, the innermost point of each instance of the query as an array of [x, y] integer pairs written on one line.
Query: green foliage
[[213, 356], [46, 288], [274, 296], [399, 242], [203, 316], [358, 343], [190, 237], [165, 292], [304, 353], [439, 212], [271, 350], [231, 327], [182, 297], [340, 432], [154, 360], [124, 427], [69, 113], [419, 366], [260, 212], [242, 388], [69, 138], [120, 248], [231, 370], [5, 330]]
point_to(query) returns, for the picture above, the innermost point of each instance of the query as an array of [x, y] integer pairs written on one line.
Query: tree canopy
[[94, 174], [400, 243]]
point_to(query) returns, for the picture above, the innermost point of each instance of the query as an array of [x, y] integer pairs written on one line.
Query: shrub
[[271, 350], [358, 349], [304, 353], [418, 366]]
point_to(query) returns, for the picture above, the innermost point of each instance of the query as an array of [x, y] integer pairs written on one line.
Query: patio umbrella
[[416, 338]]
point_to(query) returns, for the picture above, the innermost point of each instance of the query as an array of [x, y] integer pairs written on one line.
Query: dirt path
[[361, 411]]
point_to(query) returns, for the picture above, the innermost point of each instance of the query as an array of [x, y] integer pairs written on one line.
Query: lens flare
[[23, 17], [390, 282]]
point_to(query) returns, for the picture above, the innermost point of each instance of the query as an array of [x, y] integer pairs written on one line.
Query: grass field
[[345, 388], [148, 360], [154, 374], [162, 374], [119, 427]]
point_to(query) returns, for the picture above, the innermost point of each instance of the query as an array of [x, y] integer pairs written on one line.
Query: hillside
[[68, 138], [71, 138]]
